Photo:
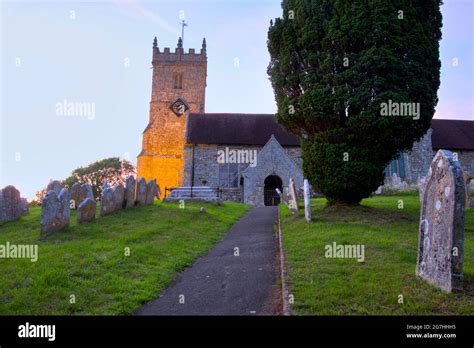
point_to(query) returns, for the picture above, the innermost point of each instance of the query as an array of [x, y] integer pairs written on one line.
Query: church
[[245, 157]]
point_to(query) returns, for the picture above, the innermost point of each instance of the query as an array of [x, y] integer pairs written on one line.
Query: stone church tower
[[178, 88]]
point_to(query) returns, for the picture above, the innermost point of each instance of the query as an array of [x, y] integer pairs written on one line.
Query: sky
[[98, 53]]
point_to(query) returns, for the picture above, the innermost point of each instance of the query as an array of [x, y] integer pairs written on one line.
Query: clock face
[[179, 107]]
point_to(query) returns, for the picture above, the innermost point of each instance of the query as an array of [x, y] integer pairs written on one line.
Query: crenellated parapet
[[179, 54]]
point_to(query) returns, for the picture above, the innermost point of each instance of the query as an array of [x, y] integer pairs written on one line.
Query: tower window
[[178, 81]]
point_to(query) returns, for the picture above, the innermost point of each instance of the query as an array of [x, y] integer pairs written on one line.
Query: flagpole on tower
[[183, 24]]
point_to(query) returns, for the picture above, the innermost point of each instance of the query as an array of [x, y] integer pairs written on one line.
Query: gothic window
[[178, 81], [228, 175], [397, 166]]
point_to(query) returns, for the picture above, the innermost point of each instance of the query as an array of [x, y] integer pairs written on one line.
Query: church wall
[[206, 168], [419, 158], [467, 161]]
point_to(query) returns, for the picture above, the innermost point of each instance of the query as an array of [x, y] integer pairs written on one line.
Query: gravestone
[[55, 186], [107, 204], [55, 211], [25, 209], [151, 191], [130, 192], [467, 185], [441, 231], [293, 196], [86, 210], [12, 206], [307, 200], [80, 192], [118, 196], [141, 191]]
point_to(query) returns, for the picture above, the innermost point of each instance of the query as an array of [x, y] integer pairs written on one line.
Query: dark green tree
[[334, 65], [113, 170]]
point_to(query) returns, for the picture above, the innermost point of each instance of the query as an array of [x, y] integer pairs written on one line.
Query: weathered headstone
[[107, 204], [307, 200], [130, 192], [467, 185], [12, 205], [55, 211], [55, 186], [141, 191], [25, 209], [80, 192], [86, 210], [151, 191], [118, 196], [293, 196], [441, 232]]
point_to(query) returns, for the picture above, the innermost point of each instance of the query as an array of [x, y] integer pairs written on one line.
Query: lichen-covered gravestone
[[80, 192], [55, 211], [12, 206], [130, 192], [441, 231], [86, 210], [141, 191], [307, 200], [107, 204], [151, 191]]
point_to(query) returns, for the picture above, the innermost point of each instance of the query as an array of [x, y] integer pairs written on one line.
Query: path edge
[[284, 287]]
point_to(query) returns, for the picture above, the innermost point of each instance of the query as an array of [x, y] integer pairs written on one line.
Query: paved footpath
[[220, 283]]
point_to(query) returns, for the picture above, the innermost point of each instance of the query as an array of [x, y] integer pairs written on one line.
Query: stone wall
[[206, 167], [232, 194], [418, 160]]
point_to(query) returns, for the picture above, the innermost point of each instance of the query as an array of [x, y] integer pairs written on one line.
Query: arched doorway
[[270, 196]]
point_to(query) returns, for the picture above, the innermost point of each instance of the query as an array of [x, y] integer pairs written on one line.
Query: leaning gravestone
[[55, 211], [293, 195], [12, 206], [130, 192], [80, 192], [441, 232], [86, 211], [307, 200], [141, 191], [107, 204], [118, 196], [151, 191]]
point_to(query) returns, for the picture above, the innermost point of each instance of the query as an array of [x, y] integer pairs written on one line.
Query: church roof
[[452, 134], [256, 129], [236, 129]]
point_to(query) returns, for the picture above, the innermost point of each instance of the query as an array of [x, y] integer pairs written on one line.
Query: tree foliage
[[112, 170], [333, 64]]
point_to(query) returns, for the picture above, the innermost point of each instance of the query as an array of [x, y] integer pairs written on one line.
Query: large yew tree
[[334, 63]]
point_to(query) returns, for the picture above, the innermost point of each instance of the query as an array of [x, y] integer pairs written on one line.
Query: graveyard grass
[[330, 286], [89, 262]]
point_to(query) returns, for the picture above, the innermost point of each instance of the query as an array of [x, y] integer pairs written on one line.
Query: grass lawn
[[89, 262], [332, 286]]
